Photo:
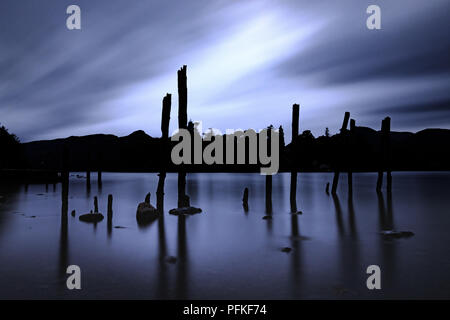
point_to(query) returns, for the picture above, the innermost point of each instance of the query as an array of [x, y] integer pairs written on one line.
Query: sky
[[248, 61]]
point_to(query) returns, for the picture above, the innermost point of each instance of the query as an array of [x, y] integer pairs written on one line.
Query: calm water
[[225, 253]]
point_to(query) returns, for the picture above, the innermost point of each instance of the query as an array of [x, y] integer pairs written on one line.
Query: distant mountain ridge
[[427, 149]]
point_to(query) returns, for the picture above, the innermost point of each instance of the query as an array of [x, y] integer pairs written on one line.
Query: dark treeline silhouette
[[425, 150]]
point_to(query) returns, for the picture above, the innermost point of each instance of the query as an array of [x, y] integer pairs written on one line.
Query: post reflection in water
[[63, 239], [183, 261], [226, 252], [338, 209], [387, 246]]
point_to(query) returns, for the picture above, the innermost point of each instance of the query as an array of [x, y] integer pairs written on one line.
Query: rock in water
[[91, 217], [391, 234], [145, 209], [185, 211], [146, 213]]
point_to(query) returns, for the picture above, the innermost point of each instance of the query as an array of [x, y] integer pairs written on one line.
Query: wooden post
[[295, 128], [165, 122], [88, 170], [182, 124], [95, 205], [350, 155], [382, 156], [295, 121], [165, 117], [387, 150], [160, 192], [338, 164], [182, 98], [65, 164], [110, 202], [99, 170], [345, 122]]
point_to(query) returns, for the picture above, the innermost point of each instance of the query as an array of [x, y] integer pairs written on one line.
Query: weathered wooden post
[[165, 117], [387, 150], [182, 124], [165, 121], [182, 98], [110, 202], [65, 164], [268, 176], [295, 126], [338, 161], [384, 146], [95, 205], [350, 155]]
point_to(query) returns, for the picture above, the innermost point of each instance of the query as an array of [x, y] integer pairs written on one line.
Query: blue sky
[[248, 62]]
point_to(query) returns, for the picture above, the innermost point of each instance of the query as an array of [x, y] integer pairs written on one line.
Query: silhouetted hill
[[425, 150]]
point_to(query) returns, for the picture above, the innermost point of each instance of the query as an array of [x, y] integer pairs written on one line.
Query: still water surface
[[224, 252]]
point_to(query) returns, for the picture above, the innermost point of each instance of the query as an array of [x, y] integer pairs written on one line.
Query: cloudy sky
[[248, 62]]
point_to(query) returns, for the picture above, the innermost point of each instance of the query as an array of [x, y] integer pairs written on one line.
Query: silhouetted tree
[[281, 133], [9, 146]]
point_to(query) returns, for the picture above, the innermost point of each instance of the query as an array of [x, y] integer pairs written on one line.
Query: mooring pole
[[295, 128], [182, 124], [381, 159], [269, 177], [338, 161], [350, 155], [165, 121], [387, 151]]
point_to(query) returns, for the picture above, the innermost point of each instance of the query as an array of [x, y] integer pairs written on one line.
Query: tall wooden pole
[[269, 177], [165, 121], [182, 124], [295, 128], [381, 157], [350, 156], [384, 159], [388, 152]]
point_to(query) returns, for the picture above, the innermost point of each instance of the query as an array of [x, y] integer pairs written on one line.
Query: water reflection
[[183, 261], [338, 211], [222, 253], [64, 238]]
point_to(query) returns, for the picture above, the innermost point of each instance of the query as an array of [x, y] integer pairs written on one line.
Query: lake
[[225, 252]]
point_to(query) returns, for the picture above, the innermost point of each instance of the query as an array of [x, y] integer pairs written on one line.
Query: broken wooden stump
[[145, 210], [92, 217]]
